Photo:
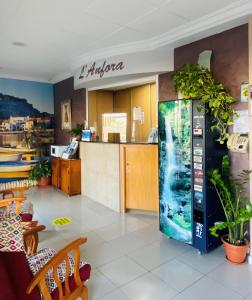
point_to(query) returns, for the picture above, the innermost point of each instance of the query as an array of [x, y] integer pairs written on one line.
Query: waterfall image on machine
[[175, 170], [170, 166]]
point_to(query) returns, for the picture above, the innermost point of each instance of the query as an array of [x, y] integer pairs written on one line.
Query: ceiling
[[45, 40]]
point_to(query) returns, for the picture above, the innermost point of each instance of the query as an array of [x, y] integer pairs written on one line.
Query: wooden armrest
[[33, 230], [5, 202], [62, 255], [31, 239]]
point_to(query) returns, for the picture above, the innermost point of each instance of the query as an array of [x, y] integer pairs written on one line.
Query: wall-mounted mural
[[26, 125]]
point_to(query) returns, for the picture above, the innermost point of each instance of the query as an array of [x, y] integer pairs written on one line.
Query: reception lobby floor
[[131, 259]]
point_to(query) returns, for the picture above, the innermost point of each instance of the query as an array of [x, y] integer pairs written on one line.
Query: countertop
[[120, 143]]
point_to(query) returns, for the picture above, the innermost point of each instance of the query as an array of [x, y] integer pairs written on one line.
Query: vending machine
[[188, 149]]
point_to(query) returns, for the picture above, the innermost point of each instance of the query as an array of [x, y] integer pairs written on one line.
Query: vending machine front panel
[[175, 177]]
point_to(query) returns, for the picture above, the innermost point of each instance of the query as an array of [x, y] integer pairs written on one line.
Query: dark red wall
[[166, 88], [229, 66], [64, 90], [229, 61]]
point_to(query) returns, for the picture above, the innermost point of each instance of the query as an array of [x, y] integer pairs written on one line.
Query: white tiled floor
[[131, 259]]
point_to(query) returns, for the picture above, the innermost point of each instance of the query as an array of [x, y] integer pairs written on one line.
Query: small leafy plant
[[77, 131], [237, 208], [196, 82], [42, 169]]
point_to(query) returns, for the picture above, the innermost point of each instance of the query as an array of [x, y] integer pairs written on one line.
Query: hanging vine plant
[[196, 82]]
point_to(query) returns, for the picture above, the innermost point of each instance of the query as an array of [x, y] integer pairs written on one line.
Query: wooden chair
[[26, 211], [65, 293], [11, 192], [7, 200], [31, 230]]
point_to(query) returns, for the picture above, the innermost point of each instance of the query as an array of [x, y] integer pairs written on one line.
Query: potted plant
[[237, 210], [196, 82], [41, 172], [77, 131]]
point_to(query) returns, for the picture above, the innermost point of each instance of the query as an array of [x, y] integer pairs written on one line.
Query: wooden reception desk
[[120, 176]]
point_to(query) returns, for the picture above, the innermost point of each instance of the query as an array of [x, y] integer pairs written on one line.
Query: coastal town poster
[[26, 113]]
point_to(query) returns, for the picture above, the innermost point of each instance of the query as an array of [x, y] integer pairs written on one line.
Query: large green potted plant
[[41, 172], [237, 210], [196, 82]]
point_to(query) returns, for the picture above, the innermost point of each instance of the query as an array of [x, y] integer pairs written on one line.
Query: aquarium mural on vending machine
[[175, 169]]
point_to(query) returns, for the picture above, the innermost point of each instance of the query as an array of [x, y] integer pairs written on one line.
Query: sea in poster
[[175, 191], [26, 125], [26, 113]]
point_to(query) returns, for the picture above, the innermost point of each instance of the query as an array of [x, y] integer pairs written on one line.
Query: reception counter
[[100, 173], [120, 176]]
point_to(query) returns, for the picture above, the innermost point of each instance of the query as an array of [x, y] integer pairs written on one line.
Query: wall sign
[[89, 70], [241, 123], [123, 67], [244, 92]]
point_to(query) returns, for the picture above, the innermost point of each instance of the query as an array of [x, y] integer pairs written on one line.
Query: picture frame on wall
[[66, 115]]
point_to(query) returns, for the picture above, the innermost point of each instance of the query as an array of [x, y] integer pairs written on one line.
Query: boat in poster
[[13, 176], [10, 157], [16, 150], [15, 166]]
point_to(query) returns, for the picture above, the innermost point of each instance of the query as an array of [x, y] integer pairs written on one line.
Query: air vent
[[19, 44]]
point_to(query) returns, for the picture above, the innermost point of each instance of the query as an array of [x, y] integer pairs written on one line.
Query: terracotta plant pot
[[44, 181], [235, 254]]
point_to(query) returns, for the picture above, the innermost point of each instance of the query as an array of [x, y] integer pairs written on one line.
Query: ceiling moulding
[[140, 46], [231, 16], [24, 77], [62, 76]]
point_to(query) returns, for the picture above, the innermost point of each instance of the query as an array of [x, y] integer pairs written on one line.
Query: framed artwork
[[66, 115]]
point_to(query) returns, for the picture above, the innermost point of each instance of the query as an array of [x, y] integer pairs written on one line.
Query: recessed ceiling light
[[19, 44]]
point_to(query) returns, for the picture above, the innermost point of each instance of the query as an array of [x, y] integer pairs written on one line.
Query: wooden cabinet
[[56, 172], [139, 177], [70, 176], [66, 175]]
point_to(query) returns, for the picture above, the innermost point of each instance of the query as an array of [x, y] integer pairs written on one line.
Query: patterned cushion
[[11, 234], [26, 217], [85, 273], [38, 260], [26, 210]]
